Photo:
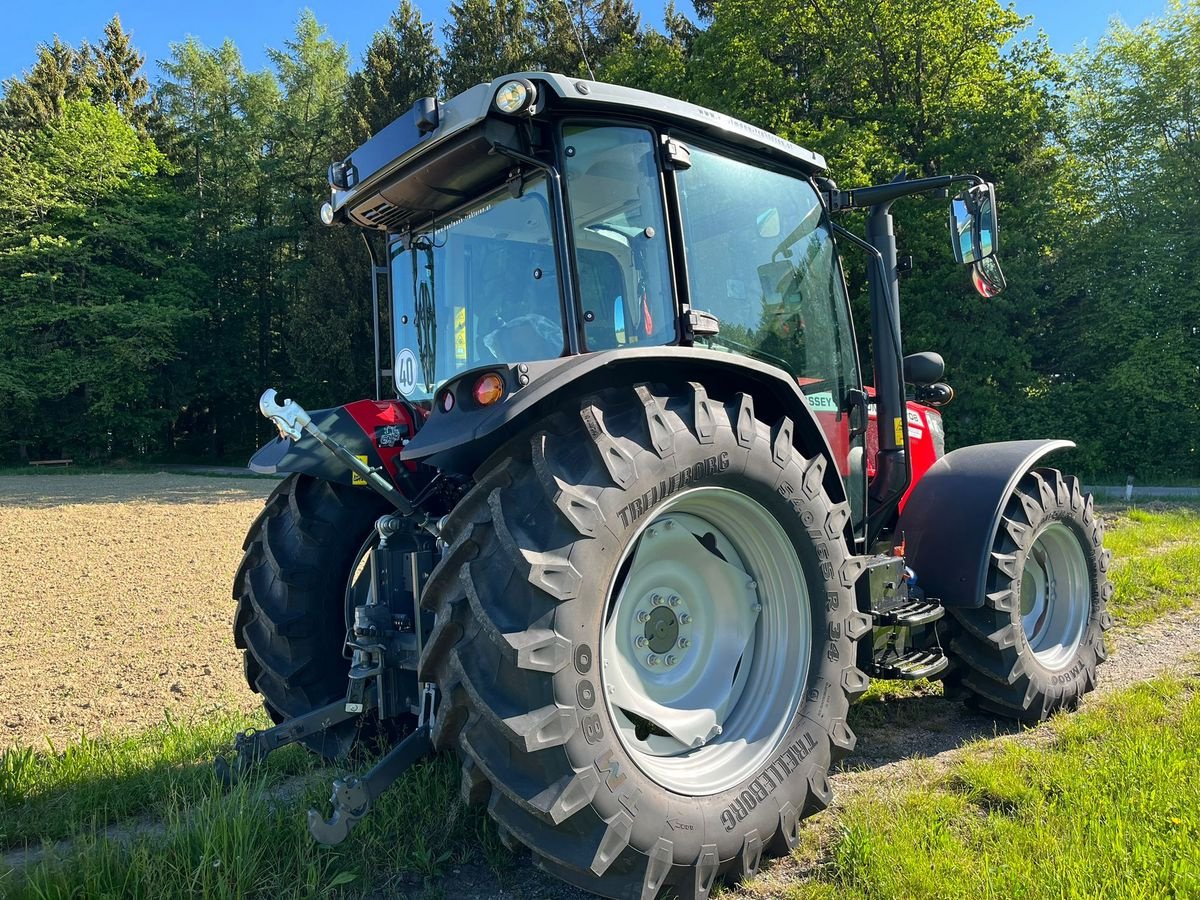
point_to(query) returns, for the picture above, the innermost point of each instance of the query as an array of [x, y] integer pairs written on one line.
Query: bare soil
[[115, 601]]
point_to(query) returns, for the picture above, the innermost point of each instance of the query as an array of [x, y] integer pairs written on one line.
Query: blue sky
[[257, 24]]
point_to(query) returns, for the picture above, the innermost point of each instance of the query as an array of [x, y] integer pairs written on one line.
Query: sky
[[255, 25]]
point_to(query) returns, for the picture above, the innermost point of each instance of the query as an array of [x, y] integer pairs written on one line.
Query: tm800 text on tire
[[645, 640], [1034, 645]]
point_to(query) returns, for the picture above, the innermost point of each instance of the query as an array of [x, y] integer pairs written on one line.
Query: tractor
[[623, 525]]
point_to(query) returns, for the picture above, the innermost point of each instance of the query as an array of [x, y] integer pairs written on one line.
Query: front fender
[[461, 438], [950, 520], [375, 430]]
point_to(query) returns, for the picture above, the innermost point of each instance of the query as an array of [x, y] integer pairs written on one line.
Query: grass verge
[[1107, 806]]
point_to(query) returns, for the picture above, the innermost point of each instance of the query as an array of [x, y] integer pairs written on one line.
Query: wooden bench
[[51, 462]]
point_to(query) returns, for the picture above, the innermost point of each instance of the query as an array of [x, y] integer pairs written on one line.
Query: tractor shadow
[[920, 722]]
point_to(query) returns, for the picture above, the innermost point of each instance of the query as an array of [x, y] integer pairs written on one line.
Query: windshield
[[476, 289]]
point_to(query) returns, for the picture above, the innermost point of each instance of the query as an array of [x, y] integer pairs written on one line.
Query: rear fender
[[374, 430], [461, 438], [949, 523]]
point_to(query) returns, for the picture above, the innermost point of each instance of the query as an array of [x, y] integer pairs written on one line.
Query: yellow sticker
[[899, 431], [460, 333], [355, 478]]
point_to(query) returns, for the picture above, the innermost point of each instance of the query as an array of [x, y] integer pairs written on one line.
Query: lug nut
[[643, 616], [757, 608], [640, 641], [717, 729], [671, 660], [652, 660], [673, 600], [657, 599], [685, 619], [752, 585], [684, 643]]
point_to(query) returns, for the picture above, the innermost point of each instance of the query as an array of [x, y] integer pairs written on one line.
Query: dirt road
[[114, 600]]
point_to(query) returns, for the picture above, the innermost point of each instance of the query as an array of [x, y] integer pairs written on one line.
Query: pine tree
[[484, 40], [120, 80], [61, 73], [401, 65]]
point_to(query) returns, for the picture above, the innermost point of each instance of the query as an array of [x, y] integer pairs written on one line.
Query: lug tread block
[[553, 574], [746, 423], [449, 570], [474, 787], [1030, 507], [288, 568], [789, 826], [814, 478], [274, 506], [1075, 491], [1061, 492], [708, 866], [781, 442], [568, 795], [509, 840], [704, 420], [540, 650], [982, 660], [1045, 490], [446, 632], [1106, 591], [539, 729], [852, 570], [251, 670], [1022, 535], [620, 465], [855, 682], [820, 795], [841, 738], [857, 625], [662, 435], [615, 840], [1005, 637], [836, 521], [1105, 560], [578, 508], [1006, 564], [1106, 619], [658, 867], [1001, 601], [751, 858]]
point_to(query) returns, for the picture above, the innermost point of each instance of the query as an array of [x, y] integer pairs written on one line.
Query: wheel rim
[[1055, 596], [707, 641]]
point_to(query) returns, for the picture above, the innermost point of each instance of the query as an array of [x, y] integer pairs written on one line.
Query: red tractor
[[626, 529]]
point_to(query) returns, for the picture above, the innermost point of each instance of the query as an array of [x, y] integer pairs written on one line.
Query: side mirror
[[987, 277], [974, 231], [923, 368]]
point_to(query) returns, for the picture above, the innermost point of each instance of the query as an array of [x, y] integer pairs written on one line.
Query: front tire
[[544, 577], [1034, 645]]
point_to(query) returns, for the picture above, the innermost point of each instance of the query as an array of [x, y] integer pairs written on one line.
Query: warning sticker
[[899, 424], [406, 372], [356, 479], [460, 333]]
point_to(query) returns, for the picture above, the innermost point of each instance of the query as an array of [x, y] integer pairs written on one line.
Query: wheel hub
[[682, 662], [1055, 596]]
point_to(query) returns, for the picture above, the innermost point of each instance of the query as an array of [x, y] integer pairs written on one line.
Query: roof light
[[488, 389], [327, 213], [446, 401], [515, 97]]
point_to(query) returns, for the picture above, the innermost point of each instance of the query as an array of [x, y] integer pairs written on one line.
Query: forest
[[162, 260]]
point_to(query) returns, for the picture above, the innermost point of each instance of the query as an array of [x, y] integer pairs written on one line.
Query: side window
[[618, 225], [760, 258]]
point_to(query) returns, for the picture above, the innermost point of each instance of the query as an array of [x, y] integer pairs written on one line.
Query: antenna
[[578, 39]]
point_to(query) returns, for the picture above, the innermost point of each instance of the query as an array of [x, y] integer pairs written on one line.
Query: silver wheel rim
[[707, 641], [1055, 596]]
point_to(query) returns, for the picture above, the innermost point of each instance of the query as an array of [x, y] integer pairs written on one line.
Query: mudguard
[[460, 438], [373, 429], [950, 520]]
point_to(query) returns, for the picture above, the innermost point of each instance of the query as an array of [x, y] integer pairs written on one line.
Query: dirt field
[[114, 600]]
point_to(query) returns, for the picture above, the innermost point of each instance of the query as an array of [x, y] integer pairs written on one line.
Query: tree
[[401, 65], [484, 40], [60, 73], [120, 79], [563, 27]]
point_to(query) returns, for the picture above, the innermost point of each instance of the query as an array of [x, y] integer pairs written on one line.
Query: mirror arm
[[861, 198]]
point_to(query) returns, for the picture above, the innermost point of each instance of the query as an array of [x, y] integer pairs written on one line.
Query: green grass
[[1156, 563], [147, 818], [1109, 806]]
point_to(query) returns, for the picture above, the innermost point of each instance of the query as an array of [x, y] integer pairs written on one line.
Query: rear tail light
[[489, 388]]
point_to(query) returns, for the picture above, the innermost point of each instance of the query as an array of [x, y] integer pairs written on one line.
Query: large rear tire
[[291, 598], [1034, 645], [609, 776]]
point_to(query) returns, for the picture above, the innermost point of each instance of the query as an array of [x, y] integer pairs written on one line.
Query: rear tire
[[290, 591], [1034, 645], [540, 554]]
